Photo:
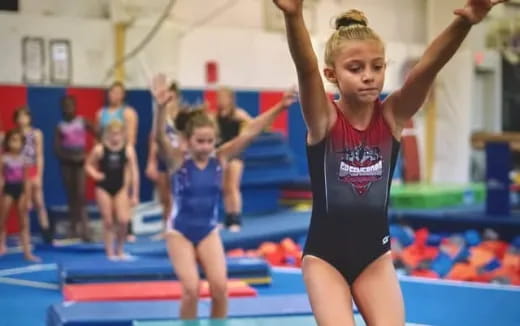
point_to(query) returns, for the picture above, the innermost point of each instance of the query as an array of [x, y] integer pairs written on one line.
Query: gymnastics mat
[[98, 269], [123, 313], [142, 291]]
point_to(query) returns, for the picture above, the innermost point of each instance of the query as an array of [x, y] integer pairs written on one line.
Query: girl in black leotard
[[14, 182], [113, 165], [352, 145], [230, 120]]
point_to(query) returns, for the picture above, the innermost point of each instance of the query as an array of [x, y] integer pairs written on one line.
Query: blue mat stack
[[269, 163]]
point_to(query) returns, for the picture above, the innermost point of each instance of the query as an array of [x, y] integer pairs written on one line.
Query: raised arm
[[407, 101], [172, 156], [255, 127], [317, 110]]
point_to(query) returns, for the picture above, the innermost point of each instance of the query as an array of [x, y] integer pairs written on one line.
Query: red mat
[[296, 194], [142, 291]]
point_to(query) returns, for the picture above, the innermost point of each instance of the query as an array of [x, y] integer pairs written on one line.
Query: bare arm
[[242, 116], [317, 111], [131, 121], [254, 128], [91, 127], [174, 157], [134, 171], [39, 152], [407, 101], [151, 162], [91, 164], [57, 145]]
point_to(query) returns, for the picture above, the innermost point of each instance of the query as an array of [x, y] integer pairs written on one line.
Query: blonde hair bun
[[351, 18]]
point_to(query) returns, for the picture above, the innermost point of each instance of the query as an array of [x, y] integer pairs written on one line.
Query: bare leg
[[378, 295], [79, 203], [5, 205], [123, 211], [211, 254], [39, 204], [25, 233], [106, 208], [329, 293], [70, 188], [183, 258], [232, 194]]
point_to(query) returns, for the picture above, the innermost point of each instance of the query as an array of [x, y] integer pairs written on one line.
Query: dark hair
[[10, 134], [21, 110], [174, 87], [68, 98], [188, 120]]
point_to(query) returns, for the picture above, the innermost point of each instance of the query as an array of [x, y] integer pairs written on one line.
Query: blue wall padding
[[249, 101], [46, 113], [192, 96], [297, 138], [141, 101]]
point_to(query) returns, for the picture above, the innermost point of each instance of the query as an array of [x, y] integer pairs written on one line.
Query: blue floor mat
[[100, 269], [124, 313]]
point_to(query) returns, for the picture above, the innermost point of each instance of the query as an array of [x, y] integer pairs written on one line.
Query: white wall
[[248, 55], [92, 44]]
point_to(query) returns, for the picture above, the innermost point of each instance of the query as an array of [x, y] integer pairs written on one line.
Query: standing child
[[33, 153], [352, 146], [70, 144], [113, 165], [197, 182], [14, 191], [231, 120]]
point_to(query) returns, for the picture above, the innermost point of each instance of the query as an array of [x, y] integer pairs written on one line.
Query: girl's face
[[359, 70], [115, 136], [69, 110], [116, 95], [23, 119], [15, 143], [202, 142], [225, 100]]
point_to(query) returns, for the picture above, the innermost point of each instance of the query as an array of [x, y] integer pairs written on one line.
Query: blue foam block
[[124, 313], [100, 269]]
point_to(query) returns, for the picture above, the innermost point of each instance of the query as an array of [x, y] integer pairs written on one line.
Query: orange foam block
[[142, 291]]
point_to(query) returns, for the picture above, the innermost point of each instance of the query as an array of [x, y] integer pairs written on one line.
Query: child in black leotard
[[70, 144], [14, 181], [231, 119], [113, 165], [352, 146]]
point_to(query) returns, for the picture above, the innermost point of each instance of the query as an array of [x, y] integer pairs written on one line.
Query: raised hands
[[289, 7], [160, 90], [476, 10], [289, 97]]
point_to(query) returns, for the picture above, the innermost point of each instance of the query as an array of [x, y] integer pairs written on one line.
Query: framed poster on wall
[[60, 62], [33, 60]]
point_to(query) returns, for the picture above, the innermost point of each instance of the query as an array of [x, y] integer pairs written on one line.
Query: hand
[[134, 200], [476, 10], [152, 173], [289, 7], [99, 177], [289, 97], [160, 91]]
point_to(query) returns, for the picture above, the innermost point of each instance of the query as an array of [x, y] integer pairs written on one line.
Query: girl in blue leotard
[[197, 182]]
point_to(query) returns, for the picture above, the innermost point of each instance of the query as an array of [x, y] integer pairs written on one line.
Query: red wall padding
[[89, 101], [267, 100], [11, 97]]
